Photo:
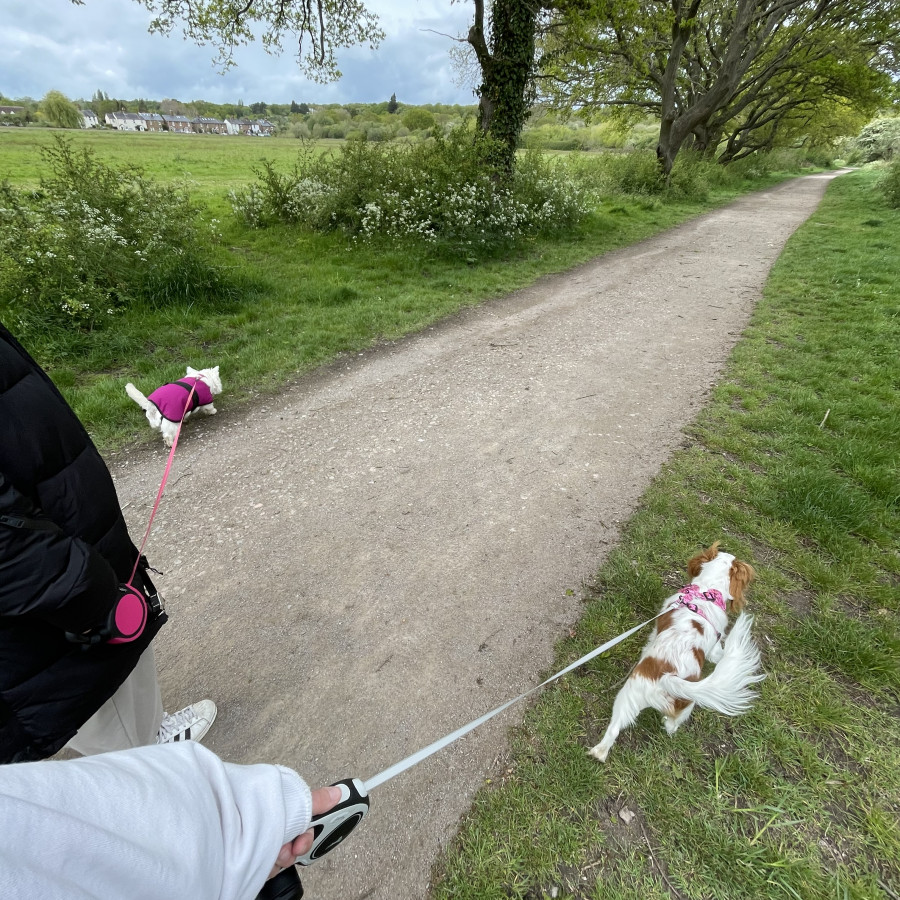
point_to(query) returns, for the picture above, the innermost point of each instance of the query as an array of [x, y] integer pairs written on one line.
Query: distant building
[[152, 121], [125, 121], [178, 124], [207, 125], [238, 126], [89, 118], [262, 128], [11, 110]]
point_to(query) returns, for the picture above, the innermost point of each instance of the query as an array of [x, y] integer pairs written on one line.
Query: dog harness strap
[[194, 400], [202, 393], [693, 593], [688, 597]]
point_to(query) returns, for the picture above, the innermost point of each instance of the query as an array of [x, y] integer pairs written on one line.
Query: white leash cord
[[425, 752]]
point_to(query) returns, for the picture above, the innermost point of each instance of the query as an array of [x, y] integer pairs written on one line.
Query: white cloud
[[104, 45]]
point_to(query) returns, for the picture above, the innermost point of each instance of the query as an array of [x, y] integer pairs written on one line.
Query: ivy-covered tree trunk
[[506, 62]]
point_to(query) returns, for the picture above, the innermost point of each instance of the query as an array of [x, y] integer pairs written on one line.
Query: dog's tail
[[138, 397], [727, 689]]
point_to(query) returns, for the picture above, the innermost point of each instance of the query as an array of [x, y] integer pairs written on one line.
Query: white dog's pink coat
[[165, 412]]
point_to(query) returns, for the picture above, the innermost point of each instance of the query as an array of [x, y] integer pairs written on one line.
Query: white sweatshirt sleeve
[[167, 821]]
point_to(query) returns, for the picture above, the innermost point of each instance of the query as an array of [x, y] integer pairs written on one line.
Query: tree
[[704, 66], [880, 139], [821, 96], [58, 110], [417, 119], [393, 105], [506, 62], [172, 107], [319, 26], [258, 109]]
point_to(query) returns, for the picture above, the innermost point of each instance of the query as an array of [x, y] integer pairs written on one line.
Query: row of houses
[[126, 121]]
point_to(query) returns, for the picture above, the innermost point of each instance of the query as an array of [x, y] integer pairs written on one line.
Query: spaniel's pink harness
[[690, 597]]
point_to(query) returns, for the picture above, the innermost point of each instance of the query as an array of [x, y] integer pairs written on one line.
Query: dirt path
[[392, 547]]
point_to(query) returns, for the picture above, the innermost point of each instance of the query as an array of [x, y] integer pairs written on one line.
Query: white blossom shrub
[[94, 238], [442, 191]]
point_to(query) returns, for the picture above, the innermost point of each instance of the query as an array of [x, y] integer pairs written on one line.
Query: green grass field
[[212, 163], [794, 466]]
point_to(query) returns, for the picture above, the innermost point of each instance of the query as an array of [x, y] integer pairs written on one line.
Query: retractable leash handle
[[126, 620], [329, 830]]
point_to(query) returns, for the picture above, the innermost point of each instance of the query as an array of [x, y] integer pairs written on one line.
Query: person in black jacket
[[64, 556]]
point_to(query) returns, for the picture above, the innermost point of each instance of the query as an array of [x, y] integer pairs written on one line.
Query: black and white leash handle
[[329, 829]]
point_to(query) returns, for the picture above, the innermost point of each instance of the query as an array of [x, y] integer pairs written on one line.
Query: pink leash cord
[[162, 484]]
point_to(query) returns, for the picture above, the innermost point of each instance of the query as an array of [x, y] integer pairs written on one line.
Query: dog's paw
[[598, 753]]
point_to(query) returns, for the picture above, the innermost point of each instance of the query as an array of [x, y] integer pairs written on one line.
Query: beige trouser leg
[[130, 718]]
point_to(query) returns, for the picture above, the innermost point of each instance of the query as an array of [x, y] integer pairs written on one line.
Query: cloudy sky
[[104, 45]]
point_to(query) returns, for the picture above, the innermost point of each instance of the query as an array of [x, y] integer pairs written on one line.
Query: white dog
[[667, 676], [168, 405]]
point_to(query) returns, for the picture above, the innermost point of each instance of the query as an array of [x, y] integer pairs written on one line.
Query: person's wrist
[[297, 803]]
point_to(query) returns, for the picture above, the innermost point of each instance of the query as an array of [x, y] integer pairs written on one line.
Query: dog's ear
[[696, 562], [192, 372], [740, 576]]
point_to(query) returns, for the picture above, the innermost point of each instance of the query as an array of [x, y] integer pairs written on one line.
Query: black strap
[[195, 400], [33, 524]]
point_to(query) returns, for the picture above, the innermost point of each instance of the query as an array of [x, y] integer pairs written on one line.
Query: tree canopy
[[713, 69], [59, 110]]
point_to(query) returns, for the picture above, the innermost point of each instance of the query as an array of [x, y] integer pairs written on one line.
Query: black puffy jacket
[[55, 579]]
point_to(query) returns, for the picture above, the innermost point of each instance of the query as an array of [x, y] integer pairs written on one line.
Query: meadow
[[211, 163], [794, 466]]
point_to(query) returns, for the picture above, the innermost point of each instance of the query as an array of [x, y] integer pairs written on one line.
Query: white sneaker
[[188, 724]]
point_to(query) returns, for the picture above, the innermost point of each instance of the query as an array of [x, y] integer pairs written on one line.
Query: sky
[[104, 45]]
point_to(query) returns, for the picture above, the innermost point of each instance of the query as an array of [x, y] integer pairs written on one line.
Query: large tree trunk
[[679, 123], [672, 133], [506, 71]]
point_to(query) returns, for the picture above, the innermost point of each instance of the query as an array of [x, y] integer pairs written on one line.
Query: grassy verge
[[794, 466], [302, 298]]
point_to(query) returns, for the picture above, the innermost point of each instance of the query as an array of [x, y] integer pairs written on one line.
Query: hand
[[322, 800]]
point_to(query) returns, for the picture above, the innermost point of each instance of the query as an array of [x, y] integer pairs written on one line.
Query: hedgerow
[[443, 191], [95, 238], [890, 183]]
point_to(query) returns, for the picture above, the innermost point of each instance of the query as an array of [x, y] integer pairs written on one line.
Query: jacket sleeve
[[170, 820], [47, 574]]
